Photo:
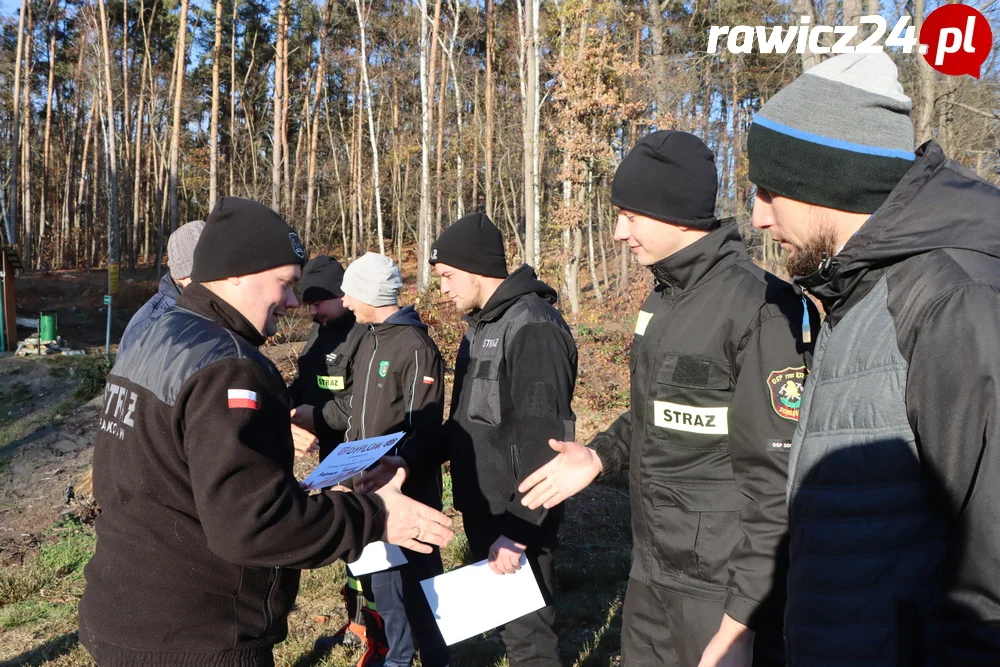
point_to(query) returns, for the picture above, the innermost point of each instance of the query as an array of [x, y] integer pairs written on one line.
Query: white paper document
[[473, 599], [348, 460], [376, 557]]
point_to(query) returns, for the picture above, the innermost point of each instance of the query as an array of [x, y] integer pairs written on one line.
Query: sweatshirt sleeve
[[763, 414], [237, 440], [542, 364], [952, 401]]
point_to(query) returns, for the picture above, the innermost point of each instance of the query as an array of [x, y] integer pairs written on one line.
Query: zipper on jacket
[[364, 402], [272, 581]]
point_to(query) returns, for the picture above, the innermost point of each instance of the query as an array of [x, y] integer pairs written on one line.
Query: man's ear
[[234, 280]]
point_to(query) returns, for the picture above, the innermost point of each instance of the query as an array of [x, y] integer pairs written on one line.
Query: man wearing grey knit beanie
[[180, 257], [398, 385], [892, 496]]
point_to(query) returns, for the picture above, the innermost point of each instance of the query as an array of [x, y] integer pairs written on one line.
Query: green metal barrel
[[47, 326]]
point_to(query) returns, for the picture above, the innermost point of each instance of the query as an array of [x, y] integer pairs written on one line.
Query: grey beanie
[[373, 279], [839, 136], [180, 248]]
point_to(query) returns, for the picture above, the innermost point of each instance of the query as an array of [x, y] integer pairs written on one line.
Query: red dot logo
[[956, 40]]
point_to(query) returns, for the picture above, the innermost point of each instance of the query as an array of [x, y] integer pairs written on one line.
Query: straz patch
[[330, 382], [243, 398], [383, 368], [786, 387], [676, 417]]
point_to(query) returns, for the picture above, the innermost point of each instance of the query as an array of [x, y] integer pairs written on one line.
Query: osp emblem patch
[[786, 387], [383, 368]]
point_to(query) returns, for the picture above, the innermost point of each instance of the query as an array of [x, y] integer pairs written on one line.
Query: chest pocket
[[691, 401], [484, 395]]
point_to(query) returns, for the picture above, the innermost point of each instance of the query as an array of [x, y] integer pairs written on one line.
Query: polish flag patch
[[428, 380], [243, 398]]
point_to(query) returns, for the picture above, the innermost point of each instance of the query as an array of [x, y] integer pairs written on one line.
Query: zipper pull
[[806, 324]]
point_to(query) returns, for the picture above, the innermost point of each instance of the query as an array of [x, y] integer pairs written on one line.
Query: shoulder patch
[[786, 387], [642, 322]]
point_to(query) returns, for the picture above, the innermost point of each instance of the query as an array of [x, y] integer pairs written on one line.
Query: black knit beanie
[[321, 280], [472, 244], [669, 176], [242, 237]]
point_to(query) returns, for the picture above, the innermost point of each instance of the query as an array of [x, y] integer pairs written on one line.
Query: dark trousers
[[531, 640], [663, 628], [400, 601]]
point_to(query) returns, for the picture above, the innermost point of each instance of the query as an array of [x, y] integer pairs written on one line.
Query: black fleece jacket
[[203, 525]]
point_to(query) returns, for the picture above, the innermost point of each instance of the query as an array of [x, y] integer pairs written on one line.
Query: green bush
[[91, 376]]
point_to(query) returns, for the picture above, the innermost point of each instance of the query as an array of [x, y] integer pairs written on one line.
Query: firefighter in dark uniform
[[325, 362], [717, 365], [325, 372]]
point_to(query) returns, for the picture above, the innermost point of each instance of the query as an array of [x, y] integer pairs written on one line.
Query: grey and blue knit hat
[[839, 136]]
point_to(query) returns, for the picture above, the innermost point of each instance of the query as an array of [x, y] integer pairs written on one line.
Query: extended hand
[[410, 524], [380, 475], [732, 646], [303, 417], [567, 474], [304, 441], [505, 555]]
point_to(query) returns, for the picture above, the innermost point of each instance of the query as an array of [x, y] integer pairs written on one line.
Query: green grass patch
[[63, 558]]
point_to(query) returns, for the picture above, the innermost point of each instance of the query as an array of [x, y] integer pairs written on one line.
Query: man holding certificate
[[398, 386]]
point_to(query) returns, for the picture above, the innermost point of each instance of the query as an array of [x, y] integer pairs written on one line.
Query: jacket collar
[[199, 299], [692, 265], [168, 287]]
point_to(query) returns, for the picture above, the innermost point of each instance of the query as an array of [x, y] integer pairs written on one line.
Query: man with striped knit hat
[[892, 502]]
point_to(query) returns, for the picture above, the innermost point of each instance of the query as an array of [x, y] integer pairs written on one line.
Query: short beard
[[807, 260]]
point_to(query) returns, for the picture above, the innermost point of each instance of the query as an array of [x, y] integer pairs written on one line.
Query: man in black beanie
[[718, 365], [204, 527], [325, 362], [514, 380]]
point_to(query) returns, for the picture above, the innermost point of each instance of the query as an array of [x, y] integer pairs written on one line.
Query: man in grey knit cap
[[398, 385], [894, 538], [180, 257]]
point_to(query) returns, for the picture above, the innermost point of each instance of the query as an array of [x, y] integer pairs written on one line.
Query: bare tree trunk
[[590, 234], [279, 106], [926, 101], [478, 126], [423, 230], [314, 125], [659, 57], [438, 208], [805, 8], [114, 221], [10, 219], [450, 53], [180, 65], [47, 144], [232, 103], [529, 85], [362, 19], [29, 237], [213, 137], [488, 183]]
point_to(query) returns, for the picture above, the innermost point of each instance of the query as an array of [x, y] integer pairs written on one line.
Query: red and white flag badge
[[428, 380], [243, 398]]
